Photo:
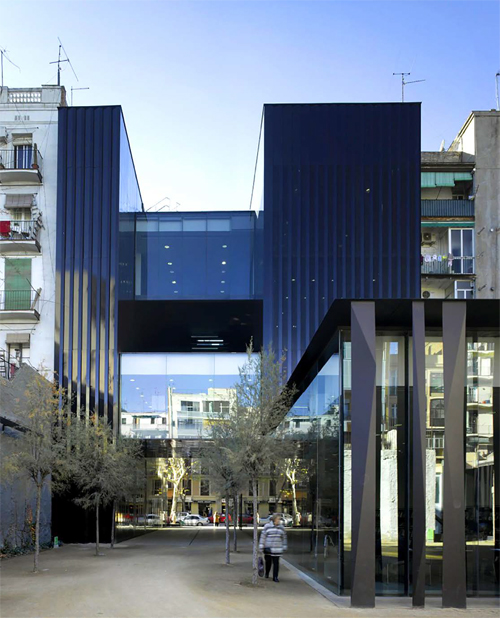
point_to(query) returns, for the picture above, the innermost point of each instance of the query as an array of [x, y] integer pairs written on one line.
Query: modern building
[[153, 312]]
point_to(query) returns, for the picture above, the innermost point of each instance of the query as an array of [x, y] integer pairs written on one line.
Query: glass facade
[[174, 395], [174, 256], [320, 426]]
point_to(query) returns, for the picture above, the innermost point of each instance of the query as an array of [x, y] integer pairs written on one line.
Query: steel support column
[[418, 450], [363, 416], [454, 575]]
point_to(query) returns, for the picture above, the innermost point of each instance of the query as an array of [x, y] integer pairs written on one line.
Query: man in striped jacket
[[273, 543]]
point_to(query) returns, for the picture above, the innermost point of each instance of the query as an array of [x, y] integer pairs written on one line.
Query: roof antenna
[[3, 52], [404, 82], [496, 80], [61, 60], [72, 89]]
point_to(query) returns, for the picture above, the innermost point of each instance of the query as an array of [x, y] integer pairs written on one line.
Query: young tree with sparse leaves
[[41, 454], [105, 468], [262, 400]]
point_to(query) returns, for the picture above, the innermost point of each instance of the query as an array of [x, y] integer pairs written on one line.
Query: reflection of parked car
[[245, 519], [286, 519], [180, 516], [151, 520], [221, 517], [195, 520]]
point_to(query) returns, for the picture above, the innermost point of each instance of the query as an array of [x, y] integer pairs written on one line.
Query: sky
[[192, 77]]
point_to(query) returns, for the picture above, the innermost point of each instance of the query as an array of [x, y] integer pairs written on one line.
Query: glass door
[[461, 243]]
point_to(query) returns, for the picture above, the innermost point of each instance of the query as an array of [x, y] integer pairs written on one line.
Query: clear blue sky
[[192, 76]]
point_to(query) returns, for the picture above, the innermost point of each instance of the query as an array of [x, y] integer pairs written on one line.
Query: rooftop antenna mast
[[60, 60], [3, 52], [404, 83], [496, 81]]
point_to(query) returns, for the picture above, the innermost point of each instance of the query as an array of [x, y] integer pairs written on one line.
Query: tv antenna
[[60, 60], [72, 89], [496, 83], [3, 52], [404, 83]]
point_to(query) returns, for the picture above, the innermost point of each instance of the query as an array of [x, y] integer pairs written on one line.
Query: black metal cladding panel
[[86, 256], [447, 208], [342, 212]]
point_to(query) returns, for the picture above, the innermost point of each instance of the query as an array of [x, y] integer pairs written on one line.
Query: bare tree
[[174, 471], [104, 468], [40, 454], [226, 474], [262, 400]]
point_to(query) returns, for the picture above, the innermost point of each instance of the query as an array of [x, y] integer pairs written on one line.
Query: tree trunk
[[255, 566], [228, 542], [294, 504], [174, 503], [113, 525], [39, 488], [97, 526], [235, 522]]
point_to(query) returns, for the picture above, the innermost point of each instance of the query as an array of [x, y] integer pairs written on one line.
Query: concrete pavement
[[177, 573]]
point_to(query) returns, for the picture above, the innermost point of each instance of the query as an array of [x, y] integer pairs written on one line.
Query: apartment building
[[28, 201], [460, 209]]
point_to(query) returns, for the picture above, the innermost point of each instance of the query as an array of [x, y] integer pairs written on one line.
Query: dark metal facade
[[95, 179], [364, 469], [341, 212]]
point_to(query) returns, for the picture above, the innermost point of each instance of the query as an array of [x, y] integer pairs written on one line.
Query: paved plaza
[[177, 573]]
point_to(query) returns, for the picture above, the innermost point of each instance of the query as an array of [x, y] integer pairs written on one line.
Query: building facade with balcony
[[460, 209], [28, 203]]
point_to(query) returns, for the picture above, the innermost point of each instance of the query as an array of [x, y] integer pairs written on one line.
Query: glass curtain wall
[[174, 395], [311, 477]]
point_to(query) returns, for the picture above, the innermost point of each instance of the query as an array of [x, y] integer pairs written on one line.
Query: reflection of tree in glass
[[174, 470]]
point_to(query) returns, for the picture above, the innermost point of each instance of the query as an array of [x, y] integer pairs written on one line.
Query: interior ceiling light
[[224, 263], [174, 282], [224, 246], [167, 246], [132, 379], [169, 263]]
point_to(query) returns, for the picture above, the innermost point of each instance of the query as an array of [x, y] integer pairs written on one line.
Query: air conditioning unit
[[426, 294], [3, 135], [427, 238]]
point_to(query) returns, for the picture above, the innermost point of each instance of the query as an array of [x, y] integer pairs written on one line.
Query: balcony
[[19, 237], [447, 208], [21, 165], [19, 306], [457, 266]]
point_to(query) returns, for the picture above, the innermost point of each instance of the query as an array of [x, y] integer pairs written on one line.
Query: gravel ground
[[177, 574]]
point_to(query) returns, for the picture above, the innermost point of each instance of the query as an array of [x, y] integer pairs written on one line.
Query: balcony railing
[[447, 208], [20, 158], [456, 266], [19, 300], [19, 230]]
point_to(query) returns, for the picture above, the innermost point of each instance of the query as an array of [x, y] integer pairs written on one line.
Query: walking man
[[273, 543]]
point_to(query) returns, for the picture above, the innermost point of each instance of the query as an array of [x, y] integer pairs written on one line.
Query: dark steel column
[[454, 581], [418, 450], [363, 454]]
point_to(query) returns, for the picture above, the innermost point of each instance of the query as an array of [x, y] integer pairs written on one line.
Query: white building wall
[[39, 117]]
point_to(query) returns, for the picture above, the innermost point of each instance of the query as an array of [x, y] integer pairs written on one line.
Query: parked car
[[151, 520], [286, 519], [195, 520]]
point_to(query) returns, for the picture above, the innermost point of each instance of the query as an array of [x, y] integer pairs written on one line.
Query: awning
[[17, 338], [24, 200], [429, 180]]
